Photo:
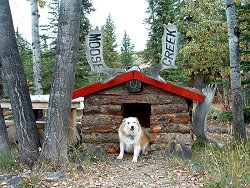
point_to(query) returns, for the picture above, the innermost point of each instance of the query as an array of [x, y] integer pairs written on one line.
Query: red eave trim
[[167, 86], [100, 86]]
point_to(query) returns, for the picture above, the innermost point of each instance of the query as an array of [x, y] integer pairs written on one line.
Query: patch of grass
[[9, 163], [87, 155], [74, 151], [226, 116], [173, 161], [226, 167], [32, 181]]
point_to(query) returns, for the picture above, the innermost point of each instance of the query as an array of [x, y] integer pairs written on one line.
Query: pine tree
[[110, 54], [82, 77], [126, 51], [52, 28], [82, 68], [160, 12]]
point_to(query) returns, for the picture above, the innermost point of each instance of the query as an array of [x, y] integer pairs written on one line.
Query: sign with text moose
[[94, 52]]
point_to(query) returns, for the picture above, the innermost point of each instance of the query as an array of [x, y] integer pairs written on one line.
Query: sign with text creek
[[169, 47]]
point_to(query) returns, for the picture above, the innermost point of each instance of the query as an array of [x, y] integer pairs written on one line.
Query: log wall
[[170, 116]]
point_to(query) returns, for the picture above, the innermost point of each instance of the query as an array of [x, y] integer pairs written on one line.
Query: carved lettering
[[94, 44], [94, 52], [94, 37], [94, 49], [169, 46]]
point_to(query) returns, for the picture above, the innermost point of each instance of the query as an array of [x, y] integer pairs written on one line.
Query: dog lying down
[[133, 138]]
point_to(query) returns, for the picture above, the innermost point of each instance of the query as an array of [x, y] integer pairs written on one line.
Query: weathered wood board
[[150, 98], [170, 118], [103, 109], [171, 128], [100, 119], [100, 138], [169, 108]]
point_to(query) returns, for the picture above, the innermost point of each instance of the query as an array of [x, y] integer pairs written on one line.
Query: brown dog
[[133, 138]]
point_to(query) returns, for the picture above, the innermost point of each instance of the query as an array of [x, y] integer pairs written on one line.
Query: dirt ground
[[153, 170]]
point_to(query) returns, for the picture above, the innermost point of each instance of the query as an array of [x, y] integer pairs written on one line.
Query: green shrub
[[228, 116]]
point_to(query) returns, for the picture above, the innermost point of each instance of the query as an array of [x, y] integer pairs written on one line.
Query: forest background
[[203, 46], [203, 58], [203, 55]]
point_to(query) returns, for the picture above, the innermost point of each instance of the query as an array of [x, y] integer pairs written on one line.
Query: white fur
[[130, 133]]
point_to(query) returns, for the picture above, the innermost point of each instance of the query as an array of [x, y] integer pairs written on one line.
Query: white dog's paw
[[134, 160], [119, 157]]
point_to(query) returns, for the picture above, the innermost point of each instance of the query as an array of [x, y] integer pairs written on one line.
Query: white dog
[[133, 138]]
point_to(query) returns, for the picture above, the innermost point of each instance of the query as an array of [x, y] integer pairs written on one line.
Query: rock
[[179, 149], [79, 168], [216, 115], [54, 176], [80, 158], [15, 182], [196, 169], [12, 135], [6, 177], [93, 160]]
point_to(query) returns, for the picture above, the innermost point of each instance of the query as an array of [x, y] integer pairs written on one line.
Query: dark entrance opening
[[140, 110]]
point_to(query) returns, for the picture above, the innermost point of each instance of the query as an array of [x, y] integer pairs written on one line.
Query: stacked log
[[170, 116]]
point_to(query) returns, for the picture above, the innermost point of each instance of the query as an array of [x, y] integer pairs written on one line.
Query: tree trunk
[[14, 74], [55, 145], [4, 146], [36, 52], [239, 128]]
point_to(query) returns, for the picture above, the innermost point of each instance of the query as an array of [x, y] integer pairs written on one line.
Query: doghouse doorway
[[140, 110]]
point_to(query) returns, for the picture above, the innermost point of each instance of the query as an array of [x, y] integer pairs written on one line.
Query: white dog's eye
[[128, 122]]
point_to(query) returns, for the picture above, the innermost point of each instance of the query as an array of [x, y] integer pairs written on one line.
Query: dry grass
[[226, 167]]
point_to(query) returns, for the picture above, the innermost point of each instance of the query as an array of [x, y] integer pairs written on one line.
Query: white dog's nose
[[132, 127]]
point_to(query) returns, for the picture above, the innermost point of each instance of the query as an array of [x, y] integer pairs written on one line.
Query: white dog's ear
[[123, 121], [137, 120]]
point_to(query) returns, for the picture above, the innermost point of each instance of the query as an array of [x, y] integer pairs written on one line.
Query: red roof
[[167, 86]]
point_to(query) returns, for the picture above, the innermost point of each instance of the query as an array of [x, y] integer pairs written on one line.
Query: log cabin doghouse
[[163, 107]]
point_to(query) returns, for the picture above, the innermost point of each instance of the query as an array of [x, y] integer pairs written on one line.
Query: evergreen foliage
[[159, 12], [48, 57], [109, 43], [127, 49], [82, 78]]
